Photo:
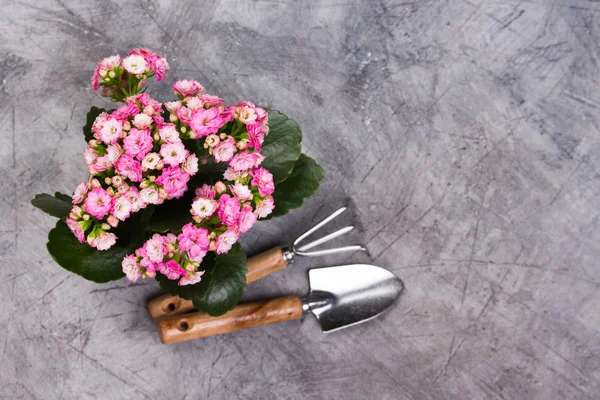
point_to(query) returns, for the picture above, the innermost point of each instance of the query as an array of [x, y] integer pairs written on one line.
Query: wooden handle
[[179, 328], [259, 266]]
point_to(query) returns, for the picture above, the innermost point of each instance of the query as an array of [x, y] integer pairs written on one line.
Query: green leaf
[[302, 183], [91, 117], [172, 214], [208, 173], [58, 206], [282, 145], [222, 284], [80, 258]]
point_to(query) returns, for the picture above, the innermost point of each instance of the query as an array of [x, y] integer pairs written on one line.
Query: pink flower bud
[[77, 211], [122, 189], [173, 117], [107, 180], [212, 246], [212, 140], [220, 187], [113, 221], [105, 226], [95, 183], [151, 274], [117, 180], [126, 126]]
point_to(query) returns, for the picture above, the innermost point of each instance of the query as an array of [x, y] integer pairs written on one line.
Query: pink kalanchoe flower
[[265, 207], [154, 248], [150, 161], [205, 191], [205, 122], [246, 219], [172, 106], [191, 279], [150, 195], [142, 121], [195, 241], [159, 121], [90, 155], [102, 69], [184, 114], [133, 196], [187, 88], [174, 181], [242, 192], [124, 112], [245, 160], [121, 208], [130, 268], [145, 263], [134, 64], [107, 161], [210, 100], [227, 113], [111, 131], [76, 229], [256, 136], [168, 134], [203, 208], [231, 175], [246, 113], [190, 165], [173, 153], [129, 167], [194, 103], [224, 151], [263, 179], [159, 66], [229, 209], [104, 241], [171, 269], [226, 240], [98, 203], [99, 123], [80, 193], [138, 143]]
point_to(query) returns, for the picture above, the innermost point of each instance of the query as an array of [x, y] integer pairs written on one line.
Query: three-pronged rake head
[[302, 249]]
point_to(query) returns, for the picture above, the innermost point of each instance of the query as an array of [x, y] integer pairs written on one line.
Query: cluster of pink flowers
[[225, 210], [137, 157], [124, 77]]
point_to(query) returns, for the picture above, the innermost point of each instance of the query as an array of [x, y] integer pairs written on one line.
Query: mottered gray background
[[463, 133]]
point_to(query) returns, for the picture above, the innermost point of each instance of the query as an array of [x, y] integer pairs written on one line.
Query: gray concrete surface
[[464, 132]]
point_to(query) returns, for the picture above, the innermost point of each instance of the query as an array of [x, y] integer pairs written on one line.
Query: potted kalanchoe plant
[[173, 185]]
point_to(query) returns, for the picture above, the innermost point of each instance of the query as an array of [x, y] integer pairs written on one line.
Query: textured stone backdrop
[[464, 133]]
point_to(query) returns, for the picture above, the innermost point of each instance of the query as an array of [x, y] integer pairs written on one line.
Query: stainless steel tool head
[[350, 294]]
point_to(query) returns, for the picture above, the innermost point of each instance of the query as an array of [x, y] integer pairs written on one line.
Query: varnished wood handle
[[179, 328], [259, 266]]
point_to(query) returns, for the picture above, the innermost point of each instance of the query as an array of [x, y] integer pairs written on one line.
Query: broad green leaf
[[282, 145], [208, 173], [80, 258], [302, 183], [172, 214], [222, 284], [91, 117], [58, 206]]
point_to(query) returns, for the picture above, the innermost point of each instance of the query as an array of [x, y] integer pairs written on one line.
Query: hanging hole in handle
[[171, 307], [184, 326]]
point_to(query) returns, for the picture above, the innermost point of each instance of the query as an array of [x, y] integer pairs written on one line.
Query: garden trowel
[[339, 297]]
